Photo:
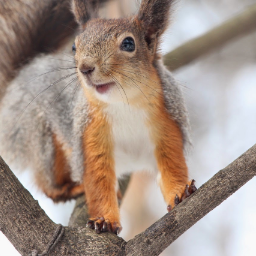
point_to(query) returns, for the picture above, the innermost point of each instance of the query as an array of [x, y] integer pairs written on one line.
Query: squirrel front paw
[[189, 189], [101, 224]]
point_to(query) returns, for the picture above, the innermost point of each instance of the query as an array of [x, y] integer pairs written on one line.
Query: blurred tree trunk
[[237, 26]]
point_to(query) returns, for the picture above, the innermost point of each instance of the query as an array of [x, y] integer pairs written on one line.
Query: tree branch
[[222, 185], [27, 226], [79, 216], [235, 27], [21, 218]]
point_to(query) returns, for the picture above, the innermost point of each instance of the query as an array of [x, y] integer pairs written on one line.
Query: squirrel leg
[[101, 197], [173, 178], [60, 188], [100, 181]]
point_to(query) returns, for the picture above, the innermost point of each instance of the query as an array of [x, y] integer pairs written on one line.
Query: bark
[[235, 27], [28, 228], [23, 221], [80, 215]]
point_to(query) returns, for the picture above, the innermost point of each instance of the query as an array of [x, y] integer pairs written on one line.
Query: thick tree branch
[[27, 226], [21, 218], [80, 215], [222, 185], [235, 27]]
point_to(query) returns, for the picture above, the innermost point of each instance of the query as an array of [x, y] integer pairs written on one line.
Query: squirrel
[[127, 114]]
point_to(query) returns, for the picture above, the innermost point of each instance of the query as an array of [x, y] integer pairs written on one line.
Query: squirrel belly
[[133, 146]]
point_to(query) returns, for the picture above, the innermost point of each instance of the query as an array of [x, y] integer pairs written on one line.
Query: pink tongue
[[102, 88]]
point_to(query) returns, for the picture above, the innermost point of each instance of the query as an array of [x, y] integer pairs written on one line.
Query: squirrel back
[[115, 110]]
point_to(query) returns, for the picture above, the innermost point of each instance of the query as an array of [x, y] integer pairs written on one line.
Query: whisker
[[118, 83], [119, 64], [60, 59], [66, 86], [44, 90], [132, 79], [136, 73], [75, 91], [111, 53], [137, 86], [68, 55], [62, 24], [48, 72]]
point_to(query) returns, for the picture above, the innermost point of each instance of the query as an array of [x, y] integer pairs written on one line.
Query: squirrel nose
[[86, 70]]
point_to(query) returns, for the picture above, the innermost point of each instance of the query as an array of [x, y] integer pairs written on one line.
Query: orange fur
[[169, 149], [99, 176], [167, 137], [60, 168]]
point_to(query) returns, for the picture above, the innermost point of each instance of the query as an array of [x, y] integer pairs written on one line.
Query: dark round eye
[[128, 44], [74, 48]]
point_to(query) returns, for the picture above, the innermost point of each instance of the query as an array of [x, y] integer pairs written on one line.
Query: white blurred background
[[220, 91]]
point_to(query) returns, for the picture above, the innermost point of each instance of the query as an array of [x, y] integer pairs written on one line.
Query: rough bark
[[28, 228], [80, 215], [237, 26], [21, 218], [211, 194]]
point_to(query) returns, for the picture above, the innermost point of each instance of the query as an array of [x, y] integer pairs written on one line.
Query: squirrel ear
[[85, 10], [154, 16]]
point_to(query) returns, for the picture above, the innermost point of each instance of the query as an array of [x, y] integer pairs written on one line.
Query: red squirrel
[[128, 115]]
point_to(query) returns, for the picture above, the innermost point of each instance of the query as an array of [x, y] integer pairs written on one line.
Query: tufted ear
[[85, 10], [154, 16]]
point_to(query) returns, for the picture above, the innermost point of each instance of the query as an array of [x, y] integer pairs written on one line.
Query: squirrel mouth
[[103, 88]]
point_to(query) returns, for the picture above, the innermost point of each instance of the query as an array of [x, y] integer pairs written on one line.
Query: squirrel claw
[[177, 200], [189, 189], [101, 224], [185, 194], [192, 188]]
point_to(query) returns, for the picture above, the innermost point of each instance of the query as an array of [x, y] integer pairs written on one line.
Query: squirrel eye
[[128, 44], [73, 47]]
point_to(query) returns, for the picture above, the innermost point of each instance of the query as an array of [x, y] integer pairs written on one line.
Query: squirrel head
[[115, 57]]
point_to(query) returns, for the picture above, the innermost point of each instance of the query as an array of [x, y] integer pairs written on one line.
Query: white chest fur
[[133, 147]]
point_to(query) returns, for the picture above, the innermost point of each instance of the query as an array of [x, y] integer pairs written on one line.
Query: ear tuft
[[85, 9], [154, 15]]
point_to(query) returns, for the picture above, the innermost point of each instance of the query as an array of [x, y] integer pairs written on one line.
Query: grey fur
[[26, 132], [174, 102], [28, 119]]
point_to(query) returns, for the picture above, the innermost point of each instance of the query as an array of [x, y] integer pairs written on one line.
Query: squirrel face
[[110, 56]]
